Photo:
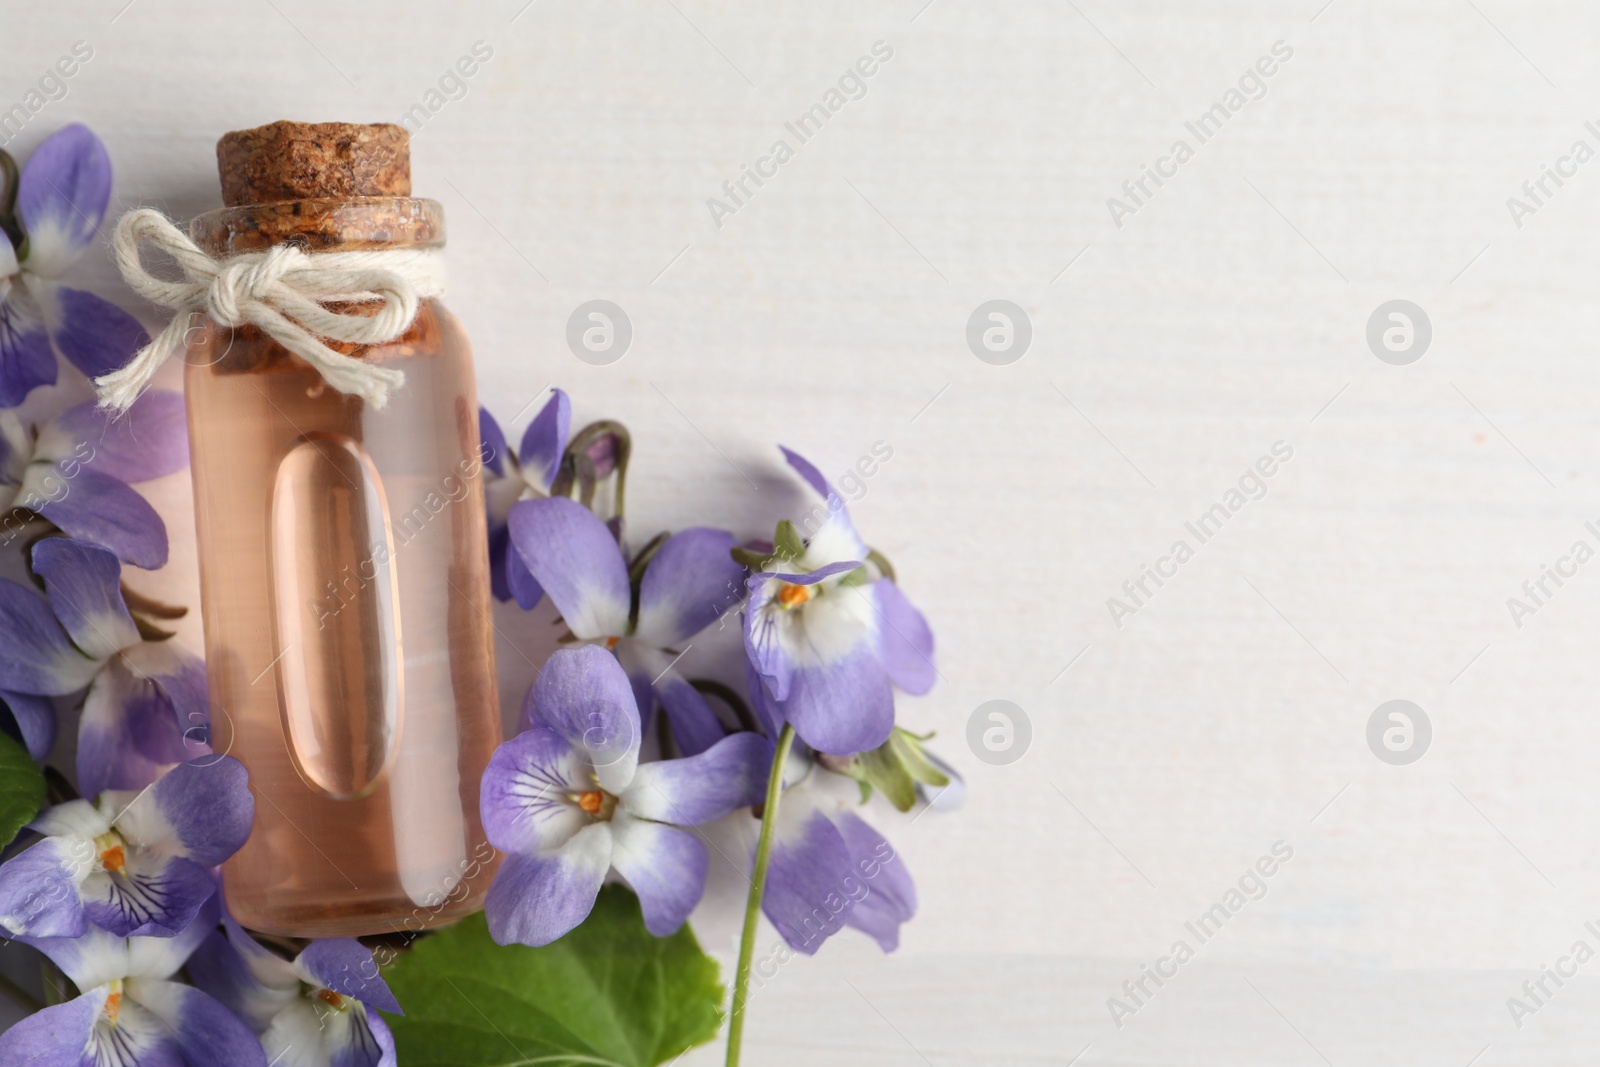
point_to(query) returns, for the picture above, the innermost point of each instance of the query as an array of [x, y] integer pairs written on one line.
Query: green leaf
[[21, 789], [607, 994]]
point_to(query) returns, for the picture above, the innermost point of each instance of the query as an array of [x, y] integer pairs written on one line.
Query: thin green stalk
[[758, 886]]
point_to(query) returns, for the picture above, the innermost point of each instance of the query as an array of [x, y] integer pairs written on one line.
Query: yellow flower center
[[595, 803], [113, 1003], [113, 857], [792, 596]]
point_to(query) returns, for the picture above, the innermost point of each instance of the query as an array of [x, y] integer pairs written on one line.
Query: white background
[[1229, 313]]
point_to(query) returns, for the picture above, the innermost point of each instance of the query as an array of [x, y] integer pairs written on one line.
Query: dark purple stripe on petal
[[523, 799], [806, 577], [153, 896], [763, 645]]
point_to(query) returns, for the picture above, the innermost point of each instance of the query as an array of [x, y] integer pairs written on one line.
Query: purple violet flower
[[830, 869], [525, 475], [568, 800], [131, 1013], [32, 721], [75, 469], [147, 705], [313, 1011], [136, 864], [830, 634], [687, 584], [62, 197]]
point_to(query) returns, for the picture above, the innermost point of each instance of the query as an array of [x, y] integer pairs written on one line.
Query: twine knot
[[283, 292], [245, 279]]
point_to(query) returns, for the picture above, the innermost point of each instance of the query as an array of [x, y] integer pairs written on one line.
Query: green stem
[[758, 886]]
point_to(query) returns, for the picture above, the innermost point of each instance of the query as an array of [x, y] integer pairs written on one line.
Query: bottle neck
[[343, 224]]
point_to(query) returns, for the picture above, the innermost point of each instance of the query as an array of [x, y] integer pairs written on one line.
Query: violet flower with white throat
[[829, 633], [313, 1011], [568, 800], [136, 864], [829, 868], [60, 200], [74, 472], [131, 1013]]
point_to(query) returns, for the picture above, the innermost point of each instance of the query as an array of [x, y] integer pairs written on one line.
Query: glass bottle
[[344, 567]]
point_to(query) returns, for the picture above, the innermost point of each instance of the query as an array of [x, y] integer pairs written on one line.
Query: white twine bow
[[281, 291]]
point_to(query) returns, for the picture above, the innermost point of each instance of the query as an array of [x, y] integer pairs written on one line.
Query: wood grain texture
[[829, 310]]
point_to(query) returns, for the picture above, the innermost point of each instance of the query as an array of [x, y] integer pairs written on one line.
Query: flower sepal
[[895, 768], [10, 225], [598, 452]]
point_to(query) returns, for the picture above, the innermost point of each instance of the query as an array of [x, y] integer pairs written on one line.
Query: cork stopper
[[307, 161]]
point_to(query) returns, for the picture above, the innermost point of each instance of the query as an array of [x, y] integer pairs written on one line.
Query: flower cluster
[[828, 637], [622, 758], [118, 889]]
